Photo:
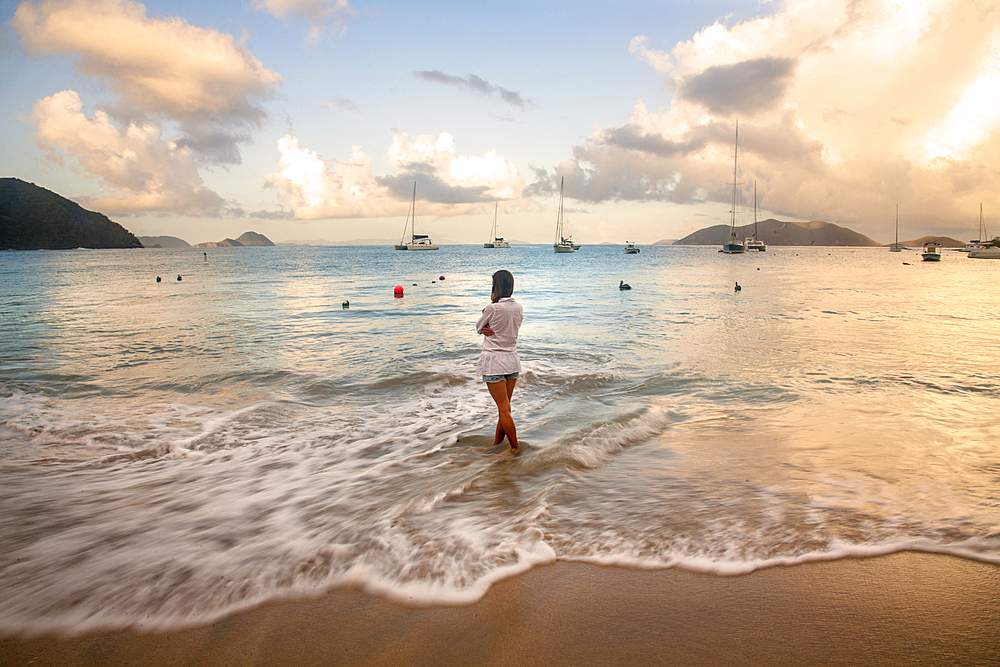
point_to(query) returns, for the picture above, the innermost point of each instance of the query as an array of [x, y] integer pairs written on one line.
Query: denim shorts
[[490, 379]]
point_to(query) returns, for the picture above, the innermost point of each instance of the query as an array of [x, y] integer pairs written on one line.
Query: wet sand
[[903, 609]]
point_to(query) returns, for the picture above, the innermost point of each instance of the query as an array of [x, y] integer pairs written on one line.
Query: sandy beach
[[902, 609]]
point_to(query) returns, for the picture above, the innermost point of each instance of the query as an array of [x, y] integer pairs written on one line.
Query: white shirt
[[499, 355]]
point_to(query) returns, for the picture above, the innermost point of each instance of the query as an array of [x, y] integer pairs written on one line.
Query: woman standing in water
[[499, 363]]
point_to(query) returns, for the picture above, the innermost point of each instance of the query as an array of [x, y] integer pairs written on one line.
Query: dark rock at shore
[[33, 218]]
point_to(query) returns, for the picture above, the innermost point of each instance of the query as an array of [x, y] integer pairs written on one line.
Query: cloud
[[202, 79], [749, 86], [150, 174], [474, 84], [845, 108], [323, 16], [342, 103], [449, 183]]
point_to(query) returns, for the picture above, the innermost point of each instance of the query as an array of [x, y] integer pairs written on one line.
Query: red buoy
[[398, 291], [441, 278]]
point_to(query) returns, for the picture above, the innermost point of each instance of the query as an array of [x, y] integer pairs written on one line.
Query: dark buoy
[[398, 292], [737, 288], [345, 305], [623, 285], [178, 278], [440, 277], [157, 278]]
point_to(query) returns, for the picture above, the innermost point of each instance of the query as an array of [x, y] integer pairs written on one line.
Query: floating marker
[[398, 291]]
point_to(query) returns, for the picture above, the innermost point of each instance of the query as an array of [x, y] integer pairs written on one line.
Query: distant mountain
[[163, 242], [943, 241], [33, 218], [778, 233], [245, 239]]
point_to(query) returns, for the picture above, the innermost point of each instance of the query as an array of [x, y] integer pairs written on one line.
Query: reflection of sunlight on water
[[246, 424]]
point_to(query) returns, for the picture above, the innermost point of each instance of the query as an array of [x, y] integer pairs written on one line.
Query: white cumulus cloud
[[448, 183], [845, 109], [147, 173], [323, 16], [163, 70]]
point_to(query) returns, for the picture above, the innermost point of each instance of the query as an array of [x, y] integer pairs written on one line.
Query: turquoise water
[[171, 452]]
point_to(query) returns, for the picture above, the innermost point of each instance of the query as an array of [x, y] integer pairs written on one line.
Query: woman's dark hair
[[503, 285]]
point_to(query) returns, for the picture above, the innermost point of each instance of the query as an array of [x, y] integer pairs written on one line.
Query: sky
[[311, 120]]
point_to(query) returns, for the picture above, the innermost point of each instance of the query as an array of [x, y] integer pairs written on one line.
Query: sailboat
[[732, 245], [561, 244], [976, 244], [895, 247], [752, 242], [984, 249], [417, 241], [496, 241]]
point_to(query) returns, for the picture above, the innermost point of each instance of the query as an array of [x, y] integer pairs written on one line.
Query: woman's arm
[[484, 319]]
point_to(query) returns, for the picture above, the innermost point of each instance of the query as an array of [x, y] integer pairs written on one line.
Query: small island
[[33, 218], [777, 233]]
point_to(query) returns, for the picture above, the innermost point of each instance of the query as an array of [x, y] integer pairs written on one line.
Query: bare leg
[[501, 391], [500, 432]]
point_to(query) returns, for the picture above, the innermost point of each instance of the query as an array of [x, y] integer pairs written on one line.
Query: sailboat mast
[[413, 219], [897, 224], [736, 156], [559, 219], [755, 209]]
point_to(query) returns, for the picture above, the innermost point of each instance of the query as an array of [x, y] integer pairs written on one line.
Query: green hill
[[244, 239], [163, 242], [775, 232], [943, 241], [33, 218]]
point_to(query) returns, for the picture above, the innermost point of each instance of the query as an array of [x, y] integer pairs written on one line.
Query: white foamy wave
[[592, 446]]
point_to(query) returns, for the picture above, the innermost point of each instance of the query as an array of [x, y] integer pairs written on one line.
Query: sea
[[172, 452]]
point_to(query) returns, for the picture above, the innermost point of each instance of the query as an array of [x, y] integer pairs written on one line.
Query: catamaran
[[976, 244], [417, 241], [561, 244], [752, 242], [497, 241], [895, 247], [732, 245]]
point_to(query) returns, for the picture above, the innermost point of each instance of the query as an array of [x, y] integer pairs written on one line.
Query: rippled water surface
[[174, 451]]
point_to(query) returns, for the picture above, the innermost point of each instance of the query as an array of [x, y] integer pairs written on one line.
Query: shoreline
[[907, 608]]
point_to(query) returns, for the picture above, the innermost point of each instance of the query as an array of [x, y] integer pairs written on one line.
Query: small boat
[[417, 241], [752, 242], [562, 244], [497, 241], [932, 252], [630, 248], [895, 247], [733, 246]]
